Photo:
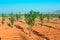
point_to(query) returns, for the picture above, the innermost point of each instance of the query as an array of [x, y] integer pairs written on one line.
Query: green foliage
[[3, 18], [18, 16], [58, 15], [30, 17], [12, 18], [48, 16], [41, 18]]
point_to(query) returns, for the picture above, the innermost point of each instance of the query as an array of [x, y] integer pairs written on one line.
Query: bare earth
[[49, 31]]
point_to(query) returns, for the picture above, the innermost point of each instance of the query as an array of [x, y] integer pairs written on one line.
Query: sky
[[8, 6]]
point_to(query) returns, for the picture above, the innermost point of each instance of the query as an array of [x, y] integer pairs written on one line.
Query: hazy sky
[[26, 5]]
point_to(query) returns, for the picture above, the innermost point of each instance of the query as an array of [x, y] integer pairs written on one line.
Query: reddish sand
[[51, 33]]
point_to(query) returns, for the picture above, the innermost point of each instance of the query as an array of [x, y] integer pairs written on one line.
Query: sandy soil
[[49, 31]]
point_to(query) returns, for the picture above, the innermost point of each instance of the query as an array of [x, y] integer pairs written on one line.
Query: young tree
[[18, 16], [12, 18], [41, 18], [3, 18], [30, 20], [58, 15], [48, 17]]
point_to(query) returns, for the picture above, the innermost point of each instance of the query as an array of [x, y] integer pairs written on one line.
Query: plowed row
[[49, 31]]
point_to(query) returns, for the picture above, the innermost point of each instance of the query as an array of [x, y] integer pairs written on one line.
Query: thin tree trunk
[[30, 33]]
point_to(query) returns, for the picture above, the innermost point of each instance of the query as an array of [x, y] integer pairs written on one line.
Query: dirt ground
[[49, 31]]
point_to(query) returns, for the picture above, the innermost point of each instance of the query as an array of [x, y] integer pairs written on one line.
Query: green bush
[[58, 15], [18, 16], [12, 18], [48, 17], [30, 19], [41, 18], [3, 18]]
